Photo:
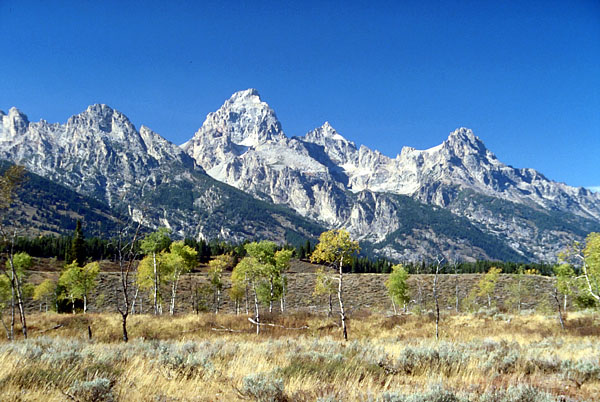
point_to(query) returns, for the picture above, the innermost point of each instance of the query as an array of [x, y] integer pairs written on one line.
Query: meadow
[[481, 356]]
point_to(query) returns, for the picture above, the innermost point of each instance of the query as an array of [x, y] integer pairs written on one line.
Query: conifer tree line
[[96, 249]]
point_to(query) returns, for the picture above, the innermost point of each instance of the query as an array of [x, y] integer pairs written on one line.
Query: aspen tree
[[334, 247]]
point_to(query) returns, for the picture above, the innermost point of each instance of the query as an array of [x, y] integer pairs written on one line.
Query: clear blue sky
[[525, 75]]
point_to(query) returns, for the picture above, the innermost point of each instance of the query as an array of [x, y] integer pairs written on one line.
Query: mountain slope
[[327, 178], [45, 207], [100, 154]]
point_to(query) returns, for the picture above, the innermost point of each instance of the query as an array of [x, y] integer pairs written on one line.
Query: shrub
[[533, 365], [435, 394], [186, 359], [99, 389], [418, 360], [263, 387], [582, 370], [503, 359], [520, 393], [584, 300]]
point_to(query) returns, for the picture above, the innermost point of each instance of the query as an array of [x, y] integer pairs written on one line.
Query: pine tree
[[78, 246]]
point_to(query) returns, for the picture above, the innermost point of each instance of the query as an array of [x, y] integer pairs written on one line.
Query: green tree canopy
[[263, 251], [592, 263], [487, 284], [334, 247], [44, 292], [586, 257], [397, 285], [216, 267], [156, 242], [79, 281]]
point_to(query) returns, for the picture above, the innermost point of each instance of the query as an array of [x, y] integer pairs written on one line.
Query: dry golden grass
[[185, 358]]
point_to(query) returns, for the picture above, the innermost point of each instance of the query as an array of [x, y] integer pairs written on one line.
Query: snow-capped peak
[[13, 123], [329, 131], [247, 101], [464, 135], [244, 119], [463, 141], [326, 134], [104, 120], [13, 111], [247, 94]]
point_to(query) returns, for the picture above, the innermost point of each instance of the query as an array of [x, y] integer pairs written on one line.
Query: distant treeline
[[96, 249]]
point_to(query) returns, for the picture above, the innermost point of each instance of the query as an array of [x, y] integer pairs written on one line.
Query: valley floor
[[207, 357]]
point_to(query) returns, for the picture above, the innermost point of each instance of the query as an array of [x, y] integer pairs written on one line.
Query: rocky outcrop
[[100, 153], [326, 177]]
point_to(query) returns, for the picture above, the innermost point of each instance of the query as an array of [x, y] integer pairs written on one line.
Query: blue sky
[[524, 75]]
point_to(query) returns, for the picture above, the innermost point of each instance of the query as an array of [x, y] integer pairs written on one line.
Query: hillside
[[361, 291], [44, 207]]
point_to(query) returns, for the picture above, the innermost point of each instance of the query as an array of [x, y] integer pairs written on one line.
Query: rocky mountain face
[[99, 153], [327, 178], [241, 177]]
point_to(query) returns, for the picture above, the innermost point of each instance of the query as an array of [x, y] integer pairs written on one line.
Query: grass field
[[486, 356]]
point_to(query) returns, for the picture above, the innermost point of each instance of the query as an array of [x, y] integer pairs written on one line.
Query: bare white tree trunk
[[246, 283], [394, 306], [135, 296], [340, 298], [174, 286], [12, 307], [595, 295], [172, 302], [155, 283], [271, 294], [84, 303], [17, 286], [560, 316], [257, 315], [283, 292]]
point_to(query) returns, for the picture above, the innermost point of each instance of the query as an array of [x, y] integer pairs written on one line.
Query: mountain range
[[241, 177]]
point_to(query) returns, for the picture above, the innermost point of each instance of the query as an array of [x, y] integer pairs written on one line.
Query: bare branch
[[224, 329], [275, 325], [57, 326]]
